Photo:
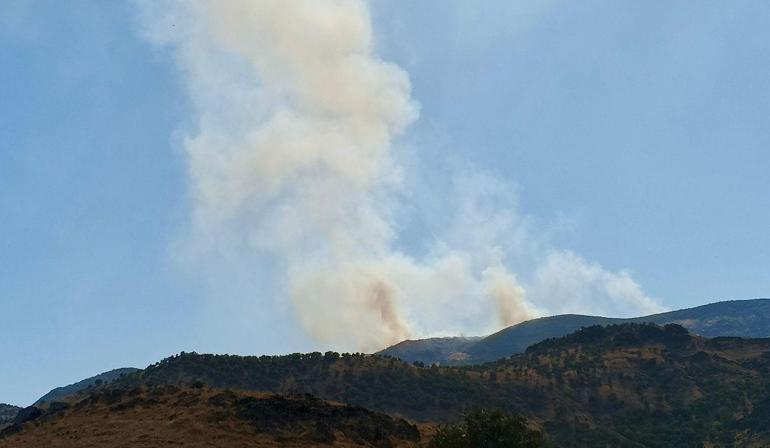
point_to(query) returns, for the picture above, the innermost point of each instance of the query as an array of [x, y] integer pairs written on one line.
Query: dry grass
[[182, 417]]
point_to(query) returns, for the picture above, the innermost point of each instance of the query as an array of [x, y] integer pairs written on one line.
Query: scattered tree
[[489, 429]]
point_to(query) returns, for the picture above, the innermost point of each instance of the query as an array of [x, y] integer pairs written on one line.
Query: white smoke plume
[[293, 155]]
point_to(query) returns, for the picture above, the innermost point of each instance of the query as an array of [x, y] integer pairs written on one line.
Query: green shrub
[[489, 429]]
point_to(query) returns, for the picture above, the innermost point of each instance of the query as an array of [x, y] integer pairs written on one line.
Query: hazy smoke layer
[[293, 156]]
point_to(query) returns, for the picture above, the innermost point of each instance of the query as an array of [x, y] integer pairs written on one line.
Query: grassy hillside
[[202, 417], [432, 350], [628, 385], [517, 338], [742, 318]]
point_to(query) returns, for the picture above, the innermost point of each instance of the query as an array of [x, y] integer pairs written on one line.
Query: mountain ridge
[[96, 380], [743, 318], [8, 412], [630, 385]]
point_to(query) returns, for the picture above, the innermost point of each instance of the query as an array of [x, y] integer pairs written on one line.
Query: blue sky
[[635, 132]]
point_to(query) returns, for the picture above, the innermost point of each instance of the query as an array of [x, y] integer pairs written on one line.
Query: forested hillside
[[741, 318], [628, 385]]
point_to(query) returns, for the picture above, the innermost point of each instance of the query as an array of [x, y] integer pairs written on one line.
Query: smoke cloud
[[294, 155]]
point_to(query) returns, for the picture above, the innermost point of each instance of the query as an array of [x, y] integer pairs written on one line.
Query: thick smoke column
[[293, 156]]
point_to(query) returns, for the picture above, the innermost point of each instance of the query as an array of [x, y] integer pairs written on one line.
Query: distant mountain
[[102, 378], [432, 350], [150, 417], [630, 385], [7, 414], [742, 318]]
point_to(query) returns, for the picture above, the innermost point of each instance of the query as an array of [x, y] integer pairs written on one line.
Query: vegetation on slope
[[201, 417], [449, 350], [742, 318], [489, 429], [7, 414], [98, 380], [628, 385]]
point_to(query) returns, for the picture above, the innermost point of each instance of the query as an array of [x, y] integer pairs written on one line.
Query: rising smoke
[[293, 156]]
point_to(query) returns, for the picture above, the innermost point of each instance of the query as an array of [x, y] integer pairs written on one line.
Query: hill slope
[[629, 385], [201, 417], [102, 378], [432, 350], [742, 318], [7, 414]]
